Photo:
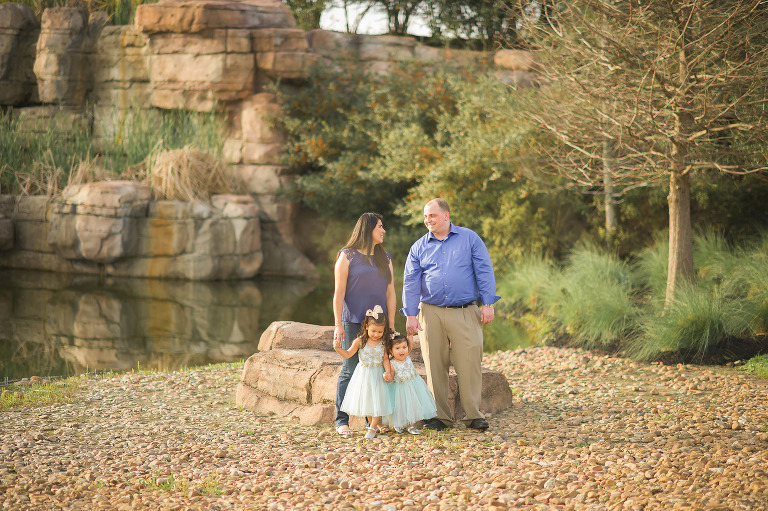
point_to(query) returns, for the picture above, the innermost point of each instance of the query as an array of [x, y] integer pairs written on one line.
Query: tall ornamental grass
[[37, 156], [43, 156], [595, 300], [697, 323], [140, 135]]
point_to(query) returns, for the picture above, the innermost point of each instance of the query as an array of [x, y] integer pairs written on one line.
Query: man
[[447, 271]]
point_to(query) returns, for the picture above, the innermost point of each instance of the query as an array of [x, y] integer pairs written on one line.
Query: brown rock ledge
[[294, 374]]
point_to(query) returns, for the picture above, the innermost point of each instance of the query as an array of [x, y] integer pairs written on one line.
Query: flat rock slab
[[192, 16], [294, 374]]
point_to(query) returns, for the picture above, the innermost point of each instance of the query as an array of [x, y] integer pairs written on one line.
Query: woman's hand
[[338, 333], [337, 343]]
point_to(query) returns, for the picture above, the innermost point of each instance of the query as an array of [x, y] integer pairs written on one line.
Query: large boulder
[[202, 53], [19, 31], [64, 49], [295, 371], [117, 225], [98, 221]]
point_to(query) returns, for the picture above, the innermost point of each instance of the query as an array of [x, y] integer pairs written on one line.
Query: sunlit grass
[[756, 366], [41, 394]]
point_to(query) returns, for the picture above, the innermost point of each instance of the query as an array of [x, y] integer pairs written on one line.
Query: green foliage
[[696, 323], [597, 300], [482, 23], [390, 143], [756, 366], [593, 300], [37, 155], [307, 12], [140, 133], [120, 12]]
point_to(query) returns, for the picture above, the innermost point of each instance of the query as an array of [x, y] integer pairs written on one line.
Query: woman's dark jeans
[[351, 331]]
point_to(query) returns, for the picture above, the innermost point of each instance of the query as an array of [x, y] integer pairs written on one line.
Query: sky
[[374, 21]]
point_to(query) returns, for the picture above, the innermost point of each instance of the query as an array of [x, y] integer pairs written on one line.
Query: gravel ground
[[585, 432]]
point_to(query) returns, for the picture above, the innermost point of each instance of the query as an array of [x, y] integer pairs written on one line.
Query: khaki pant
[[458, 331]]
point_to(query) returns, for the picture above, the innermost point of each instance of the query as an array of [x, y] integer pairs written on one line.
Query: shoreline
[[586, 431]]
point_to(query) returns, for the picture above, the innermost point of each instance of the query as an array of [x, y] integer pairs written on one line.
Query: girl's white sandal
[[413, 431], [371, 433]]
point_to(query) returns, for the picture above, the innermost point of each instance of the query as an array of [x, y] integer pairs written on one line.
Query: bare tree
[[644, 92]]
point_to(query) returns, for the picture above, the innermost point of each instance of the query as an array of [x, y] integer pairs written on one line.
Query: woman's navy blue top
[[366, 287]]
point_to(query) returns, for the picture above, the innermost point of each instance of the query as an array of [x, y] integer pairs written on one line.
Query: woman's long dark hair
[[362, 241]]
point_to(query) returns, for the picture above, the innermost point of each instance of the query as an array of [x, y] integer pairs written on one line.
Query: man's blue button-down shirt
[[453, 271]]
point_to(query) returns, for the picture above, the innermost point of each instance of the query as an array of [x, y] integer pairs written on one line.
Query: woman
[[363, 278]]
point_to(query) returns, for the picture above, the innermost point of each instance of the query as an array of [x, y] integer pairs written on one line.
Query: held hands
[[336, 343], [388, 376], [338, 333], [412, 325]]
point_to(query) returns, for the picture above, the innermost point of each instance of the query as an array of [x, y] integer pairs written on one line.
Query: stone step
[[295, 371]]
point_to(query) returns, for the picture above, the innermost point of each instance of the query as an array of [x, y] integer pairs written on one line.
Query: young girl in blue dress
[[409, 396], [367, 394]]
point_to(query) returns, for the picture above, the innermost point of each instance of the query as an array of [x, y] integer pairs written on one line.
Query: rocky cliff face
[[199, 55]]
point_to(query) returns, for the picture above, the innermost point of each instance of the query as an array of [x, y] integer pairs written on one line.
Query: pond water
[[62, 325]]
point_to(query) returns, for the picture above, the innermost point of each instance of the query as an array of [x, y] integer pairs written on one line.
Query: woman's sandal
[[383, 430], [344, 430], [371, 433]]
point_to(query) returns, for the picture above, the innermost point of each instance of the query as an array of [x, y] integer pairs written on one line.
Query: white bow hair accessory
[[394, 334], [375, 311]]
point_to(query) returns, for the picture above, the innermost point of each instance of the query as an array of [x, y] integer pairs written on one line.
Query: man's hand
[[412, 325], [486, 314]]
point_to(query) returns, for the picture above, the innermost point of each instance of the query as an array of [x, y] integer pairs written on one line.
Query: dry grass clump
[[188, 174]]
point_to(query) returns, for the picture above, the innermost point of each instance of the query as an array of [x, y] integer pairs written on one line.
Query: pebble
[[585, 432]]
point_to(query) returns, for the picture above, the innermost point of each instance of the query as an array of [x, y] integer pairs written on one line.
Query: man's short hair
[[442, 204]]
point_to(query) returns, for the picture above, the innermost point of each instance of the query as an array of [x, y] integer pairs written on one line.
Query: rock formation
[[196, 55], [294, 374]]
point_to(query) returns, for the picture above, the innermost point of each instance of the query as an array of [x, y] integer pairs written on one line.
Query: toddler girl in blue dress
[[410, 398], [367, 394]]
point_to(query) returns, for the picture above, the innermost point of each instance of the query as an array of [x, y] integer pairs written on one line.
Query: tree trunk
[[679, 199], [680, 235], [610, 204]]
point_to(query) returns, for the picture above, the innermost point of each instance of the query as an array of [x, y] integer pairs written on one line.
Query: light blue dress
[[367, 391], [409, 396]]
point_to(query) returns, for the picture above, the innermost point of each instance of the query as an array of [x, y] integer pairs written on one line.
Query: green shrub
[[389, 143], [650, 268], [698, 321], [749, 282], [594, 300], [597, 300], [525, 283]]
